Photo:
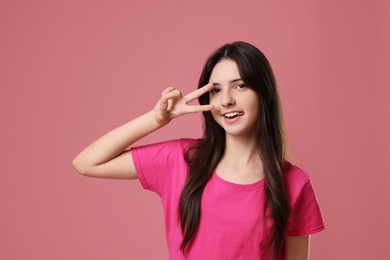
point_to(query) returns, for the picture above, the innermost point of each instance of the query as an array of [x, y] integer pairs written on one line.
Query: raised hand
[[172, 104]]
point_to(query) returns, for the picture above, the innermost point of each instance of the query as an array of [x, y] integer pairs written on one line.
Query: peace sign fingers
[[197, 93], [172, 104], [198, 108]]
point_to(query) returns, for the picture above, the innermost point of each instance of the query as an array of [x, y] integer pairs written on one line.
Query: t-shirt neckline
[[250, 186]]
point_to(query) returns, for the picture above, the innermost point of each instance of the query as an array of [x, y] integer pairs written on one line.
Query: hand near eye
[[172, 104]]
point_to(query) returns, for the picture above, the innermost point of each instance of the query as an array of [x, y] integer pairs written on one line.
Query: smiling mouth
[[233, 114]]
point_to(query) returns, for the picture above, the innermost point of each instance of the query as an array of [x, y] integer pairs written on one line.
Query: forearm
[[115, 142]]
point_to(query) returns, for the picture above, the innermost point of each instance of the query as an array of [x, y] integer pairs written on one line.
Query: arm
[[297, 248], [107, 157]]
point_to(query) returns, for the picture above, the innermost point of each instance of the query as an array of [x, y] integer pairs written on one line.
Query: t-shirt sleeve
[[157, 165], [305, 216]]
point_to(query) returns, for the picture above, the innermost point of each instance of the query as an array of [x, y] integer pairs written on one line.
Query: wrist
[[155, 121]]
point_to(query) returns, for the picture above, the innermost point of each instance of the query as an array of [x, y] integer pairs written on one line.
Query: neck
[[242, 150], [241, 162]]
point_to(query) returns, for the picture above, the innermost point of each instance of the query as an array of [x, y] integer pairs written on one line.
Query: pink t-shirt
[[231, 223]]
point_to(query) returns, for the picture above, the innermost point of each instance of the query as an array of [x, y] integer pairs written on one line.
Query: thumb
[[163, 104]]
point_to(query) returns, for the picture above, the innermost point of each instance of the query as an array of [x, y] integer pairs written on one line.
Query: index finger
[[197, 93]]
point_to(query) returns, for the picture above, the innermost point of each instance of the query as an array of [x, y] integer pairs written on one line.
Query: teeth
[[231, 114]]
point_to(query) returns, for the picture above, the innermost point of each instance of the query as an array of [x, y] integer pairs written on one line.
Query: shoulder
[[188, 142], [161, 165], [294, 175], [169, 145], [295, 179], [161, 153]]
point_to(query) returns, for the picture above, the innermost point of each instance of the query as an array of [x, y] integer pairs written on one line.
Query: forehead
[[224, 72]]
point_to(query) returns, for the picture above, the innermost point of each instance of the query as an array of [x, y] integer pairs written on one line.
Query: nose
[[227, 99]]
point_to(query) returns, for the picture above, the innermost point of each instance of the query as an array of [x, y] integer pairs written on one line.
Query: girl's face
[[235, 104]]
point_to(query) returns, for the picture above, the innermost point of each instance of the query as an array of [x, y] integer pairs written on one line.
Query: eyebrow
[[230, 82]]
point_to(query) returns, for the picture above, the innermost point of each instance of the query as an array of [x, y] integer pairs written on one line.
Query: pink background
[[73, 70]]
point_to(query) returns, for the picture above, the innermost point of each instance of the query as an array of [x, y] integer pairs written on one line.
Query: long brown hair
[[202, 160]]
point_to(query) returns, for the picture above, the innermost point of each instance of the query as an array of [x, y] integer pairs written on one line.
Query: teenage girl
[[230, 194]]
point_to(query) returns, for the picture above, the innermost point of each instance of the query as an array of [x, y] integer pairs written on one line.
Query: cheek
[[215, 114], [212, 100], [254, 103], [255, 110], [253, 107]]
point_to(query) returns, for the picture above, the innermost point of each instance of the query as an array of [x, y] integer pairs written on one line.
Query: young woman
[[230, 194]]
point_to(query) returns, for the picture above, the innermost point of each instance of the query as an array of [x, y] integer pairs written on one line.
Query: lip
[[240, 113], [234, 118]]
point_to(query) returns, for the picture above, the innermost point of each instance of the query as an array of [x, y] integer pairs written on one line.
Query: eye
[[214, 91], [240, 86]]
